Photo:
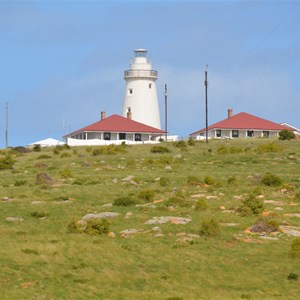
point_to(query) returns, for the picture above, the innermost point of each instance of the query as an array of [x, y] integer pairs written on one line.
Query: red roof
[[245, 121], [116, 123]]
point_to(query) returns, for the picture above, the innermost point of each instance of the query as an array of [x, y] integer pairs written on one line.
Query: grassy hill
[[216, 221]]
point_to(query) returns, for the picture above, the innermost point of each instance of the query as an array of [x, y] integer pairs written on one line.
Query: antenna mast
[[206, 108], [166, 112], [6, 126]]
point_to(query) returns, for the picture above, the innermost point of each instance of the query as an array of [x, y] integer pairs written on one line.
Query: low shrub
[[235, 149], [177, 200], [191, 142], [265, 225], [286, 135], [124, 201], [209, 180], [209, 228], [97, 227], [164, 181], [21, 149], [267, 148], [251, 205], [231, 180], [20, 182], [193, 180], [65, 155], [6, 163], [295, 248], [146, 195], [159, 149], [65, 173], [297, 196], [44, 156], [39, 214], [270, 179], [293, 276], [223, 150], [201, 205], [37, 148], [180, 144], [109, 150], [43, 179]]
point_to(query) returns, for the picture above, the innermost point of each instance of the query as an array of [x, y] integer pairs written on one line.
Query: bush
[[271, 180], [65, 155], [265, 225], [293, 276], [65, 173], [209, 228], [191, 142], [209, 180], [295, 248], [39, 214], [177, 200], [222, 150], [109, 150], [286, 135], [44, 156], [124, 201], [146, 195], [270, 147], [97, 227], [21, 149], [20, 182], [37, 148], [180, 144], [193, 180], [6, 163], [43, 179], [251, 205], [159, 149], [231, 180], [201, 205], [164, 181]]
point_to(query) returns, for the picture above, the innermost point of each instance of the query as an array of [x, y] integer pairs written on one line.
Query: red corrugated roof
[[244, 121], [116, 123]]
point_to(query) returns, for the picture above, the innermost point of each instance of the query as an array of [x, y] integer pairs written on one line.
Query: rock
[[178, 156], [44, 179], [156, 228], [5, 199], [229, 224], [107, 205], [103, 215], [198, 196], [133, 182], [222, 207], [131, 231], [228, 211], [212, 197], [278, 208], [111, 234], [168, 168], [292, 215], [238, 197], [290, 230], [128, 215], [36, 202], [173, 220], [273, 202], [14, 219], [260, 197], [81, 222], [158, 234], [115, 180], [128, 178]]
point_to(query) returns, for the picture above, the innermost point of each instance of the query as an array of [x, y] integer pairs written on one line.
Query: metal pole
[[206, 108], [166, 112], [6, 128]]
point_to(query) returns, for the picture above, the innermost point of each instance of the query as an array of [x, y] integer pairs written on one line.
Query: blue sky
[[64, 60]]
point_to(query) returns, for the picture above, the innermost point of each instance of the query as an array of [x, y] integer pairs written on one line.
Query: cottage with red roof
[[114, 129], [241, 125]]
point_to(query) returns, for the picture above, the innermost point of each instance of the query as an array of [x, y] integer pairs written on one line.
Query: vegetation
[[286, 135], [219, 225]]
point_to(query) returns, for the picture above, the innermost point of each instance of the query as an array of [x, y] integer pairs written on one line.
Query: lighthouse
[[140, 99]]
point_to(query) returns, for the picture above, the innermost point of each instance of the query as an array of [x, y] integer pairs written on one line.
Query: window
[[138, 137], [266, 133], [250, 133], [218, 133], [150, 85], [107, 136], [235, 133], [122, 136], [130, 91]]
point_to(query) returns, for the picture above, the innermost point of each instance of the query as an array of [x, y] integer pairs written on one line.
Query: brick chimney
[[229, 113], [103, 115], [129, 113]]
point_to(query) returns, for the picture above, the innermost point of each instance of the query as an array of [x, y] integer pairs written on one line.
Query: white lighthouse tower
[[140, 94]]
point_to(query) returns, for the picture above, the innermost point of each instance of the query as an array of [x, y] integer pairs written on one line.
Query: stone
[[211, 197], [115, 180], [131, 231], [128, 178], [229, 224], [178, 156], [292, 215], [103, 215], [5, 199], [260, 197], [173, 220], [278, 208], [133, 182], [128, 215], [14, 219], [111, 234], [156, 228], [198, 196], [168, 168], [290, 230], [107, 205], [222, 207], [158, 234]]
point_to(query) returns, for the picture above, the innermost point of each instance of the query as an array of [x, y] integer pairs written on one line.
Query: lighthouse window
[[138, 137], [150, 85], [130, 91], [107, 136]]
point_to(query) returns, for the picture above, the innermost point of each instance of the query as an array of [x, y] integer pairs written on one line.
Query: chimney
[[229, 113], [129, 113], [103, 115]]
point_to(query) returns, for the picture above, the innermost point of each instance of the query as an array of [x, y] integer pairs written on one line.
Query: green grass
[[39, 259]]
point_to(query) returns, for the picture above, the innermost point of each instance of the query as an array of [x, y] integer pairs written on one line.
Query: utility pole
[[6, 128], [206, 108], [166, 112]]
